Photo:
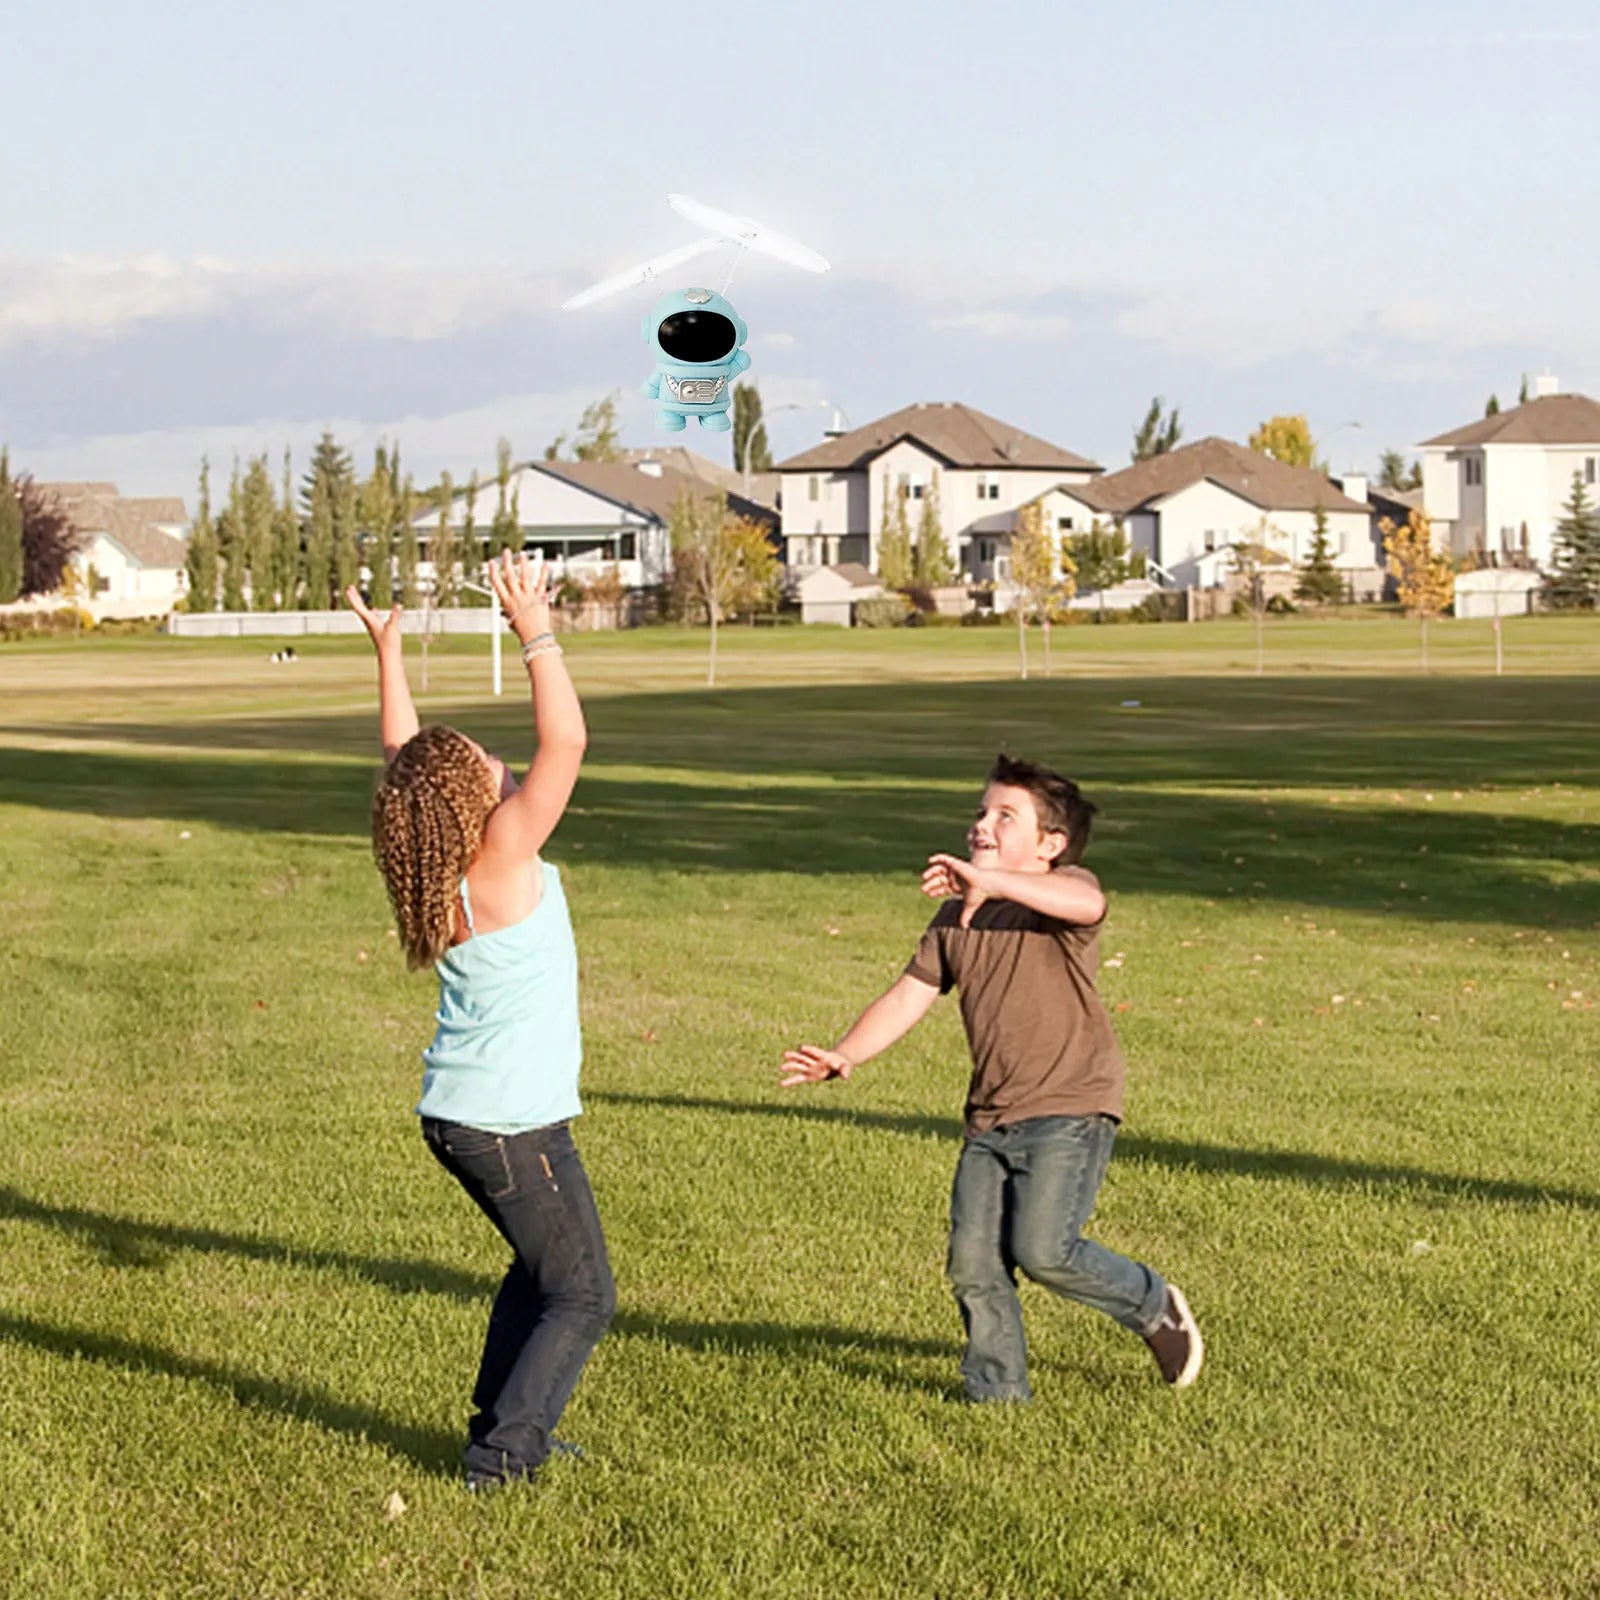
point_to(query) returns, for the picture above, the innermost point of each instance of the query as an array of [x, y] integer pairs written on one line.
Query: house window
[[1473, 471], [628, 547], [1508, 541], [1210, 540], [1588, 470], [918, 490], [988, 488], [813, 490], [1063, 524]]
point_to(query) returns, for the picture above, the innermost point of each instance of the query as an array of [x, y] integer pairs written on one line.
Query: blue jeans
[[557, 1298], [1021, 1197]]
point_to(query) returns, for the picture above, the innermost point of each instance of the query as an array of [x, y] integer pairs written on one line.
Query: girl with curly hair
[[457, 840]]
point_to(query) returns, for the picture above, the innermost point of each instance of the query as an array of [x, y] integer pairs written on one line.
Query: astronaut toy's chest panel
[[695, 391]]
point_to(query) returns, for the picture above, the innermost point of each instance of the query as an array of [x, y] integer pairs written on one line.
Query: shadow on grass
[[125, 1243], [1282, 1166], [1427, 862], [433, 1452]]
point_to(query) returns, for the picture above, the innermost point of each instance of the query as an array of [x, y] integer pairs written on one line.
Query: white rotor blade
[[749, 233], [647, 272]]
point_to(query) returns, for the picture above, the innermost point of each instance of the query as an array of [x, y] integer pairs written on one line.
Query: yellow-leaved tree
[[1287, 439], [1425, 578], [1043, 574]]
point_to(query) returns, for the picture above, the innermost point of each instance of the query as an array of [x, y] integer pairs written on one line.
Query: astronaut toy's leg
[[716, 421], [671, 421]]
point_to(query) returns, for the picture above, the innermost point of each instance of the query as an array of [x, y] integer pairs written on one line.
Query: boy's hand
[[812, 1064], [523, 597], [384, 631], [945, 877]]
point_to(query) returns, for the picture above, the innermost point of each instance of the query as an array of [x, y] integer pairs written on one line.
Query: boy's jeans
[[557, 1297], [1022, 1194]]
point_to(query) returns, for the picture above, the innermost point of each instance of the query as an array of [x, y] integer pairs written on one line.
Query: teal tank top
[[506, 1053]]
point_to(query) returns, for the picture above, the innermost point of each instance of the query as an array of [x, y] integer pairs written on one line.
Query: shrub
[[886, 611]]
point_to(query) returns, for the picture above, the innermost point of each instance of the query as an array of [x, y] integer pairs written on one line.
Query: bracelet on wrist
[[539, 645]]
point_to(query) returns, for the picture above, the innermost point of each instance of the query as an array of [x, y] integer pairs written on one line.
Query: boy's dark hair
[[1059, 801]]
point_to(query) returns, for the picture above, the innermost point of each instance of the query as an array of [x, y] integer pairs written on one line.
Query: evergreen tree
[[505, 532], [750, 443], [1492, 409], [1574, 582], [231, 544], [1522, 393], [257, 515], [10, 536], [318, 593], [933, 565], [378, 507], [469, 547], [286, 582], [1155, 436], [1395, 475], [406, 589], [1319, 580], [894, 541], [346, 538], [442, 547], [200, 562], [331, 464]]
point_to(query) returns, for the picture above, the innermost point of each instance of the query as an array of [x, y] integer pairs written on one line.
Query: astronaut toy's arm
[[652, 385], [740, 361]]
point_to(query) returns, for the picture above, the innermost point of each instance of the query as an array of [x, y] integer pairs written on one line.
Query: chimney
[[1546, 384], [835, 429], [651, 469], [1354, 485]]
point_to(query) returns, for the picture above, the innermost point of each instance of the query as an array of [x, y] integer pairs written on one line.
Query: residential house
[[589, 516], [834, 494], [1186, 509], [1497, 487], [761, 487], [131, 551]]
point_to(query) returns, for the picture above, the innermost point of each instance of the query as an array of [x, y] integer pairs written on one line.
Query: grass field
[[1356, 913]]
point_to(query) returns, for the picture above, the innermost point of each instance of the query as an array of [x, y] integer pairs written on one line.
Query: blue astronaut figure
[[695, 335]]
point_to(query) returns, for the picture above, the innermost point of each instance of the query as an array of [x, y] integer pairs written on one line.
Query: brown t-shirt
[[1041, 1039]]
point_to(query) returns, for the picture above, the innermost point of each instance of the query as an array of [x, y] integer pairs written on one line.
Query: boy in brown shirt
[[1018, 936]]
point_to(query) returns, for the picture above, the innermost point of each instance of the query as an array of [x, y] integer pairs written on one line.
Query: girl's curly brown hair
[[428, 817]]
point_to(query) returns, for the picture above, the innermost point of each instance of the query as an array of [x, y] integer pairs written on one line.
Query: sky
[[228, 227]]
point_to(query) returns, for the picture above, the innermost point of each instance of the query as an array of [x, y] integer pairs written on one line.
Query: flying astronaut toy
[[695, 335]]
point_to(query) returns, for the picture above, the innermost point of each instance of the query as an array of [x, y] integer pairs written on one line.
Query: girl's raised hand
[[384, 631], [523, 592]]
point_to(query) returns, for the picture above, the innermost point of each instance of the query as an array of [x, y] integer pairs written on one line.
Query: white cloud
[[76, 296], [1001, 323]]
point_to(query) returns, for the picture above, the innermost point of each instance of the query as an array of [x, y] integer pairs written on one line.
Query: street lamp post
[[761, 428]]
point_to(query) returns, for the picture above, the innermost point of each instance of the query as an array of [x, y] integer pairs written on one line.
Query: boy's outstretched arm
[[890, 1017], [397, 716], [1067, 896]]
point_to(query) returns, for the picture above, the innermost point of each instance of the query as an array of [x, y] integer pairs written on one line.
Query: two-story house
[[834, 494], [1185, 510], [1497, 487]]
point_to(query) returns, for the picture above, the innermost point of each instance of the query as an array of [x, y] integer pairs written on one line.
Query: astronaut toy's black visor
[[697, 336]]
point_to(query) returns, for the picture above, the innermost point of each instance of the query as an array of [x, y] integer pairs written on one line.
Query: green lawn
[[1356, 914]]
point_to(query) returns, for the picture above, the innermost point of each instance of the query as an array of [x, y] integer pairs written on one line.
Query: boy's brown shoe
[[1175, 1341]]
